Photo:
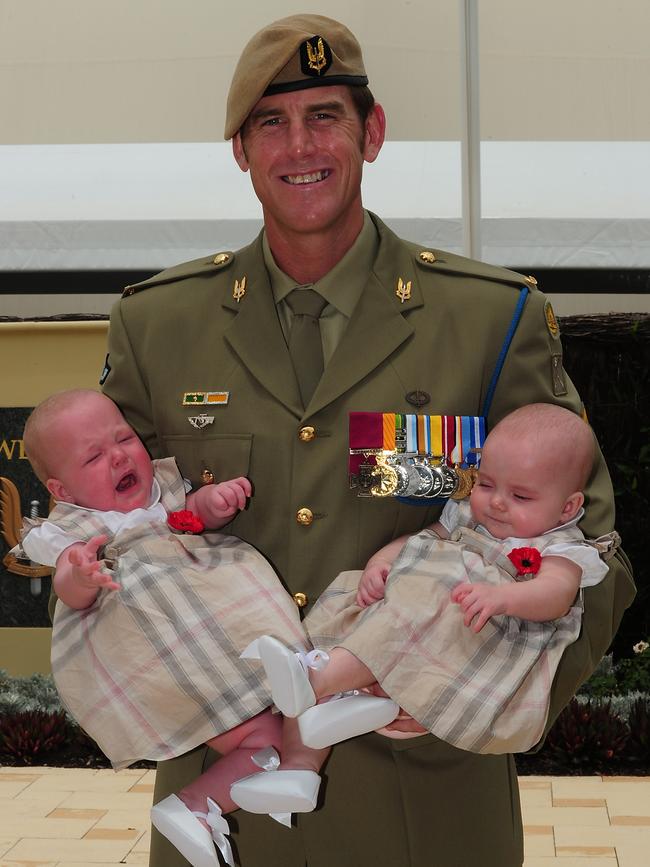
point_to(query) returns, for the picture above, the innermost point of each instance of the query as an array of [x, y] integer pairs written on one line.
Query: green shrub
[[36, 692], [638, 745], [587, 734], [27, 737]]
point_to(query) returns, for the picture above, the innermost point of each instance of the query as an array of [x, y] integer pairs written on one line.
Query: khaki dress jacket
[[427, 321]]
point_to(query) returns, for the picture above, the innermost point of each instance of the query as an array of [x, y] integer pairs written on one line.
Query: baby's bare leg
[[294, 755], [236, 746], [343, 672]]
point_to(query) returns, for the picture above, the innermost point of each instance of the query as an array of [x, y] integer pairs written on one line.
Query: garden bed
[[595, 734]]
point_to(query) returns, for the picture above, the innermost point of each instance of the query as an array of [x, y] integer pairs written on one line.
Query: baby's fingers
[[94, 544], [460, 591]]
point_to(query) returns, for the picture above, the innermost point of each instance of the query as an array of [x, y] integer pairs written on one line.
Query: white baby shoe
[[286, 671], [278, 793], [182, 828], [344, 716]]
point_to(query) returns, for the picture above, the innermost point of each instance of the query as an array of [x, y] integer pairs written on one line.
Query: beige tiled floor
[[55, 817]]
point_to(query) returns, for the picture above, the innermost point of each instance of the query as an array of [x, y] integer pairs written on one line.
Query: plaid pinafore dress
[[152, 670], [485, 692]]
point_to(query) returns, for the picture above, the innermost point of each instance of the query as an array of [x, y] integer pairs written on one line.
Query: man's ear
[[375, 133], [58, 491], [238, 151], [572, 506]]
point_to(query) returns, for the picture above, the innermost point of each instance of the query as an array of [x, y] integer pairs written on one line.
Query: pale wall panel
[[159, 70]]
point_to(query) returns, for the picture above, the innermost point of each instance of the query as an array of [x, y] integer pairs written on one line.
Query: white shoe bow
[[286, 671], [276, 792], [194, 841]]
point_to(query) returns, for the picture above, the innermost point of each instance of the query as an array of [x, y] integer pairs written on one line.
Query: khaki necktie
[[305, 345]]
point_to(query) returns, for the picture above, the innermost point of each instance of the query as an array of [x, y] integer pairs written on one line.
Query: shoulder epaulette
[[197, 267], [450, 263]]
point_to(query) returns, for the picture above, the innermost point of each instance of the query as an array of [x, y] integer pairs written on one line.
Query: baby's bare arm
[[547, 596], [217, 504], [371, 583], [79, 575]]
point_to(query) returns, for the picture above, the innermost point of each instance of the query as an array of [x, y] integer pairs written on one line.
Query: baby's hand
[[372, 584], [219, 502], [480, 601], [86, 570]]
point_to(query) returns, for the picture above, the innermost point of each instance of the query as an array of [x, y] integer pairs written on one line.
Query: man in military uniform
[[210, 363]]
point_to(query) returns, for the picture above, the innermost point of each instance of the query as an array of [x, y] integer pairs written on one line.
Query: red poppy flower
[[185, 521], [526, 560]]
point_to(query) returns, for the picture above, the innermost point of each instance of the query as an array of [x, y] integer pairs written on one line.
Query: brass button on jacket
[[306, 434], [300, 599], [207, 476], [304, 516]]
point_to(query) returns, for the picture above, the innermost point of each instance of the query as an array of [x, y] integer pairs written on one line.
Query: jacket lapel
[[378, 326], [255, 333]]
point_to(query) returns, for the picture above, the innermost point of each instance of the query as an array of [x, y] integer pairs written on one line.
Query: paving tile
[[131, 834], [631, 856], [581, 835], [112, 801], [67, 813], [538, 840], [567, 816], [572, 862], [92, 782], [5, 844], [630, 820], [142, 787], [23, 804], [29, 864], [33, 827], [536, 798], [579, 787], [587, 851], [11, 788], [579, 802], [144, 843], [76, 851], [13, 774], [526, 783]]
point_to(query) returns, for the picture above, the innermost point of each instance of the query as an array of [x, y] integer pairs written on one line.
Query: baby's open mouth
[[126, 482]]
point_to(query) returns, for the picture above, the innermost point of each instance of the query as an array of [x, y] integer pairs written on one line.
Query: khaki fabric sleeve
[[126, 383], [533, 372]]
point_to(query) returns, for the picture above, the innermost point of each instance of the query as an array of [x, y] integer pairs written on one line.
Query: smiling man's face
[[305, 151], [95, 458]]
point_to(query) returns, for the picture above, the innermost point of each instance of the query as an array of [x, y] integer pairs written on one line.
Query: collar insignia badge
[[239, 289], [403, 290]]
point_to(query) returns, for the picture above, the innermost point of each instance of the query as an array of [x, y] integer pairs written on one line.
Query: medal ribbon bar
[[441, 439]]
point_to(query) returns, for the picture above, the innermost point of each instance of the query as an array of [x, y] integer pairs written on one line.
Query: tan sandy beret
[[292, 54]]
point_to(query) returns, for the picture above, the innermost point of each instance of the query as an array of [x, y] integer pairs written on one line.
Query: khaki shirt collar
[[343, 285]]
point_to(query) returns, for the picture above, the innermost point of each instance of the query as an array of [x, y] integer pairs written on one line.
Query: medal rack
[[429, 457]]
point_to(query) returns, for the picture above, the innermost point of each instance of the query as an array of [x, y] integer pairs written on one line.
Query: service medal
[[426, 478], [386, 479], [466, 479]]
